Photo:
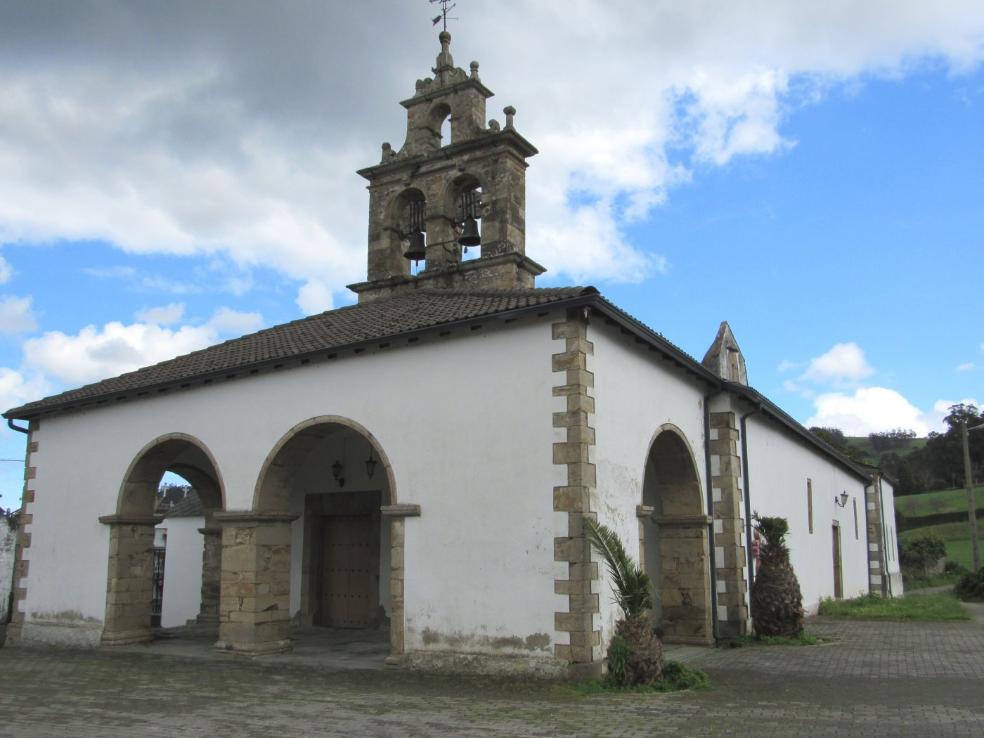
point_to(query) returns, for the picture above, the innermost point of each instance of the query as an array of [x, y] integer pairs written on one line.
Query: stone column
[[254, 602], [729, 527], [877, 575], [397, 515], [211, 574], [130, 581], [575, 384]]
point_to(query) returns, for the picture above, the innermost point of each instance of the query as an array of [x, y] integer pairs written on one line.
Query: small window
[[809, 502], [855, 501]]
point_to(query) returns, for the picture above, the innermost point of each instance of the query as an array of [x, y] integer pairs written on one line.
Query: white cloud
[[97, 353], [786, 365], [869, 410], [6, 271], [17, 315], [966, 366], [235, 323], [168, 129], [17, 389], [314, 297], [844, 362], [163, 315]]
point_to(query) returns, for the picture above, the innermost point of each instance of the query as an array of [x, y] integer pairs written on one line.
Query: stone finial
[[444, 59], [474, 69], [724, 357], [494, 125], [510, 112], [388, 152]]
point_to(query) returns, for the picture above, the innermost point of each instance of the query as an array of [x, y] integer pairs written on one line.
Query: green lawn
[[942, 501], [911, 607]]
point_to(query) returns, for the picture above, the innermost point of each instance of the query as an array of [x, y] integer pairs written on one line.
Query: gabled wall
[[465, 422]]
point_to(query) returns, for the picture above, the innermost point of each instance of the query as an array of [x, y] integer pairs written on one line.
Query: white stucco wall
[[182, 570], [8, 540], [464, 420], [636, 394], [890, 539], [779, 466]]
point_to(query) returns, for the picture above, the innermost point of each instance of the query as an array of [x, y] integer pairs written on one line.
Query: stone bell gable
[[426, 196], [724, 357]]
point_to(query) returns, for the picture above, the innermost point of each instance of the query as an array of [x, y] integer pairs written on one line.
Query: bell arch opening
[[464, 201], [674, 540], [325, 552], [407, 228], [134, 589]]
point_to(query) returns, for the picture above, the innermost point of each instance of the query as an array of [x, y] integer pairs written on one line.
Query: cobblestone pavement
[[870, 679]]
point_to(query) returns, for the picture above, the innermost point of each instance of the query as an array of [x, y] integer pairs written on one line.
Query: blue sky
[[812, 174]]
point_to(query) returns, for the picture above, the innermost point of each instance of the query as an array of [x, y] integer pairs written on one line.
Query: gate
[[157, 603]]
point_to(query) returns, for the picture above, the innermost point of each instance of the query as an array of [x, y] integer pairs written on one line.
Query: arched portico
[[339, 565], [674, 539], [131, 533]]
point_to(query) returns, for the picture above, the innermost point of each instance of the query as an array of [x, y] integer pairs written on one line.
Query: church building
[[422, 461]]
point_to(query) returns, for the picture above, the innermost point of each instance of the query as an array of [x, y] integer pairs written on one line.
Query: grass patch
[[941, 501], [803, 639], [934, 580], [677, 677], [911, 607]]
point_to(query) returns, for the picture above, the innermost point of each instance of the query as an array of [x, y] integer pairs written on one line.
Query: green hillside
[[901, 447], [934, 503]]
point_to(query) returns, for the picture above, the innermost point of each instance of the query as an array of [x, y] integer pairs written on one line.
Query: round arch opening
[[674, 540]]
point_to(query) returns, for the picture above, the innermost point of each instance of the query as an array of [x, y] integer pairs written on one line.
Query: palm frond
[[630, 584]]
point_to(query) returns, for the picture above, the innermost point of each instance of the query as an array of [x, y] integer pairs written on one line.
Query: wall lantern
[[370, 464], [336, 471], [841, 499]]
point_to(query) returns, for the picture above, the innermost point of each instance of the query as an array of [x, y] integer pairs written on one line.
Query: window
[[809, 502]]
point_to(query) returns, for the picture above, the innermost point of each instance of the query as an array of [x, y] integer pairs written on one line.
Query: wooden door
[[347, 574], [838, 572]]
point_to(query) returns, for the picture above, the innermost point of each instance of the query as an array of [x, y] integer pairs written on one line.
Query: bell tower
[[443, 196]]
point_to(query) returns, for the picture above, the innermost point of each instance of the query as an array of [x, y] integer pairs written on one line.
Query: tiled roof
[[350, 326]]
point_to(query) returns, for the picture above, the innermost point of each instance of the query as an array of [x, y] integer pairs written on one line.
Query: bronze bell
[[415, 248], [470, 236]]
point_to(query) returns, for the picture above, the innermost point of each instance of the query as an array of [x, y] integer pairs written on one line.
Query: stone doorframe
[[129, 580]]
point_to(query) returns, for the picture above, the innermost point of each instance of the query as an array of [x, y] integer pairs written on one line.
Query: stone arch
[[438, 119], [674, 538], [174, 452], [345, 512], [129, 588], [269, 490], [400, 220]]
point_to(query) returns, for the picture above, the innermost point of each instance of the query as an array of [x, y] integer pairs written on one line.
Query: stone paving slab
[[871, 679]]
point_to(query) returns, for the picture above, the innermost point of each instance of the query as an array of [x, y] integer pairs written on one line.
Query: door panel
[[347, 576]]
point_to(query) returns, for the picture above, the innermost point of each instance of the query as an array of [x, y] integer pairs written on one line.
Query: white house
[[184, 545], [423, 461]]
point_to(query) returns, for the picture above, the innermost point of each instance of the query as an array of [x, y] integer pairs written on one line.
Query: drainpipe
[[12, 426], [748, 502], [710, 508]]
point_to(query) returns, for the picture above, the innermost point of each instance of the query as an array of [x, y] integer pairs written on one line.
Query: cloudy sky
[[174, 174]]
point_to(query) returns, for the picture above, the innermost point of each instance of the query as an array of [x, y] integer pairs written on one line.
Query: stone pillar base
[[127, 637]]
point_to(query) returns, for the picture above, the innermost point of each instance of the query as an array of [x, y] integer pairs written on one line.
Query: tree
[[635, 654], [835, 437], [777, 602]]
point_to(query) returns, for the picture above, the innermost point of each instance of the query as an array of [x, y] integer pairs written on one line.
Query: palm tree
[[635, 654], [777, 603]]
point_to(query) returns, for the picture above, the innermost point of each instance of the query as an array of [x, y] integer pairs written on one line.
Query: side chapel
[[422, 462]]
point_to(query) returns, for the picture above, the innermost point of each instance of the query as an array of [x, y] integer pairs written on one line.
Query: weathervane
[[446, 5]]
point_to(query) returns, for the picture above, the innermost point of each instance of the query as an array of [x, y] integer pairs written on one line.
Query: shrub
[[918, 555], [971, 587]]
